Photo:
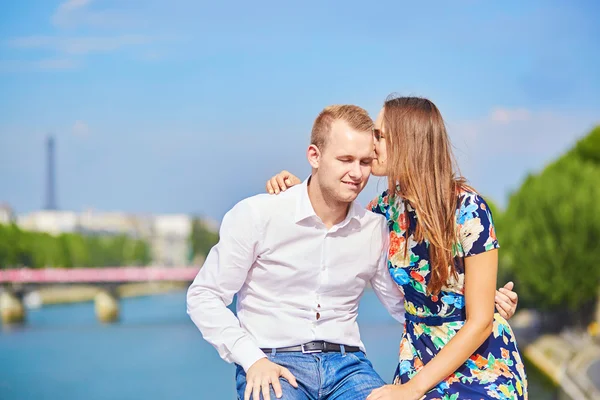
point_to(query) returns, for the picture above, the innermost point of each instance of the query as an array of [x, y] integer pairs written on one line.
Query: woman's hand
[[507, 301], [395, 392], [282, 181]]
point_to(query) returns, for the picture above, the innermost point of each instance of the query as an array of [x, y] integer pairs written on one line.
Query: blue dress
[[495, 370]]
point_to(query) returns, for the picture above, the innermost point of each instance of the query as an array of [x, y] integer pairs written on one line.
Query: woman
[[443, 255]]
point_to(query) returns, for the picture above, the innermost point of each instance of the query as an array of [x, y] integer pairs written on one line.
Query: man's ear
[[314, 156]]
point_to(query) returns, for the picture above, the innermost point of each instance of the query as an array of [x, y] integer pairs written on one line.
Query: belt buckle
[[304, 351]]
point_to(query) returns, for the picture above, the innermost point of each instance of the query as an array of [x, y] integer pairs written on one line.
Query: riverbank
[[568, 360]]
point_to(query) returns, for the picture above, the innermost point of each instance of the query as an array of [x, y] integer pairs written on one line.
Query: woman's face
[[380, 162]]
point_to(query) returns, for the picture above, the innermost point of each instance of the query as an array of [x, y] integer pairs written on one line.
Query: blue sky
[[189, 106]]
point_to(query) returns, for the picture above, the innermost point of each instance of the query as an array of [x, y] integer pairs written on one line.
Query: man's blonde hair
[[355, 116]]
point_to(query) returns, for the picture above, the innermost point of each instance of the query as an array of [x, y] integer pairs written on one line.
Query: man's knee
[[357, 387], [360, 381]]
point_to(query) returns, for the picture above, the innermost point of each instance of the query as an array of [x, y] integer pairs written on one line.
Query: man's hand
[[506, 300], [264, 373]]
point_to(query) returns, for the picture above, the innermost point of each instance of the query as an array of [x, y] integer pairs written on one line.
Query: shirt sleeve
[[220, 278], [384, 286], [476, 229]]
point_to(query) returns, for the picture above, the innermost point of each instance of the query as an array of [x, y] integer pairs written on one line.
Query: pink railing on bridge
[[88, 275]]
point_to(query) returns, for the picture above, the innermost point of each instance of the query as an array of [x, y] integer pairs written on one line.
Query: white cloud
[[47, 64], [71, 5], [80, 128], [82, 45], [57, 64], [67, 12], [151, 56], [73, 13], [496, 152], [505, 115]]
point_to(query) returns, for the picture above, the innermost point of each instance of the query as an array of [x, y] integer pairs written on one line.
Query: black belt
[[314, 347]]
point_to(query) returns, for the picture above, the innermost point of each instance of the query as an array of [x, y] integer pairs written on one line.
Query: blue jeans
[[320, 376]]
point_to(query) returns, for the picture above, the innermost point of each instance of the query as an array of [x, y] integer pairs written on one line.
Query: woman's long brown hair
[[421, 171]]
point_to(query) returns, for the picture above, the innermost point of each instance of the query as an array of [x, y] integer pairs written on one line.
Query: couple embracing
[[300, 257]]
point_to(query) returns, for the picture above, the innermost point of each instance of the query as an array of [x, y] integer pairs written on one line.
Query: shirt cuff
[[246, 353]]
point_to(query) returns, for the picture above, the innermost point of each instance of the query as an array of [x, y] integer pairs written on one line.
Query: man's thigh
[[359, 379], [303, 367], [289, 392]]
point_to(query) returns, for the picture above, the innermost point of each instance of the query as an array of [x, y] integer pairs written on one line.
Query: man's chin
[[349, 197]]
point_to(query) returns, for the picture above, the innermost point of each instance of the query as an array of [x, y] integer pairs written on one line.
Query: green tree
[[76, 250], [141, 254], [68, 250], [588, 148], [17, 247], [553, 234], [7, 246], [505, 272], [202, 238], [66, 260], [46, 250], [113, 250]]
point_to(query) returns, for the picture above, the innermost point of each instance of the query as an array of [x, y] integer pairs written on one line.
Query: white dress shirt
[[296, 280]]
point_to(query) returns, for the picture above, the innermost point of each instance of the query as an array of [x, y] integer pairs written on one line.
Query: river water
[[154, 352]]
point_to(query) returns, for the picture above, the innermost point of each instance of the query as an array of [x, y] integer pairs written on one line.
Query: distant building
[[170, 240], [166, 234], [7, 215], [115, 223], [50, 221]]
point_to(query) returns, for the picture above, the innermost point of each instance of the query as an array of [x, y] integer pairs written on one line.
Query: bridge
[[19, 281], [97, 275]]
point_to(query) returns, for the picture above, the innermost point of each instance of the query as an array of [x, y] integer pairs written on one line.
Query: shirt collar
[[305, 210]]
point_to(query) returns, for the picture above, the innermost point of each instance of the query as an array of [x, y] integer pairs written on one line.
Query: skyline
[[188, 107]]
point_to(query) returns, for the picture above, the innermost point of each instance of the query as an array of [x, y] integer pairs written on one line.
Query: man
[[299, 263]]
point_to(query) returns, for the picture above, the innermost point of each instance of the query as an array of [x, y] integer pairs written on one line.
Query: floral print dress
[[495, 370]]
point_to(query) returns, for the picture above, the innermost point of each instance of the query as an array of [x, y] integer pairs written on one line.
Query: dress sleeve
[[475, 225]]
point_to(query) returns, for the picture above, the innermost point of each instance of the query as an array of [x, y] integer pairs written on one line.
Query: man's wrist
[[255, 362], [246, 353]]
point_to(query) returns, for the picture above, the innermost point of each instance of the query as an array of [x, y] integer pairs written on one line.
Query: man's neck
[[331, 212]]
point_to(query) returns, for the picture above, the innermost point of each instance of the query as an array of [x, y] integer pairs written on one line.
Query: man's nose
[[355, 171]]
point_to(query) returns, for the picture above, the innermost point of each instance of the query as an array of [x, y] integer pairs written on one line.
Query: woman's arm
[[480, 285], [480, 289]]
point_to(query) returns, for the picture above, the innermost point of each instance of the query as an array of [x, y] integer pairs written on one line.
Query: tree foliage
[[68, 250], [551, 230], [505, 273], [202, 239]]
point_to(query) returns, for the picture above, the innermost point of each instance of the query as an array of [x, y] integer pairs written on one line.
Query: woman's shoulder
[[381, 204], [468, 195], [471, 204], [475, 224]]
